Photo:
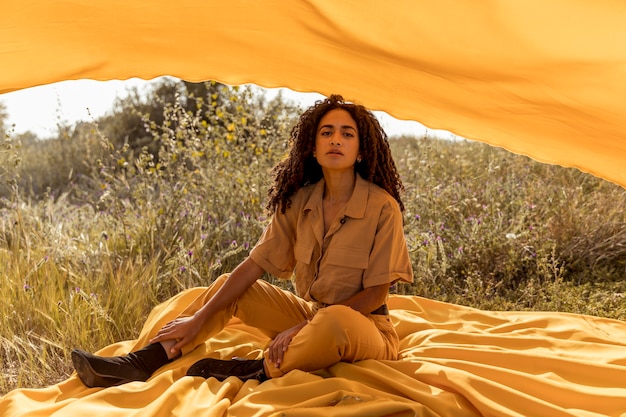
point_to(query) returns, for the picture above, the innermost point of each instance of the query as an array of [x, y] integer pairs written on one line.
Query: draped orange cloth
[[455, 361], [544, 78]]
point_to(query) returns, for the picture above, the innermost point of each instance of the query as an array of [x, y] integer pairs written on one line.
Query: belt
[[382, 310]]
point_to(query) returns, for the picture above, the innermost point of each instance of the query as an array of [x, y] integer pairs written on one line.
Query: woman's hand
[[279, 345], [183, 330]]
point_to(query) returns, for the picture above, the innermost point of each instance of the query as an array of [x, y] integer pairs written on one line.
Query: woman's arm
[[184, 330], [369, 299], [242, 278]]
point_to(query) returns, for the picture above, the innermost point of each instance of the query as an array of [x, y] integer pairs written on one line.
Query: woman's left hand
[[278, 346]]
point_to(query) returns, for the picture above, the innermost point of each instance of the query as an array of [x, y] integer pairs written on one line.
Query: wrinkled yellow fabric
[[544, 78], [455, 361]]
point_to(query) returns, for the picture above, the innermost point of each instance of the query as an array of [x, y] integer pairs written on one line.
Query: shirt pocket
[[303, 253], [348, 257]]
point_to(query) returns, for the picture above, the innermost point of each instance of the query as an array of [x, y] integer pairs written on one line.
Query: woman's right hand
[[183, 330], [279, 345]]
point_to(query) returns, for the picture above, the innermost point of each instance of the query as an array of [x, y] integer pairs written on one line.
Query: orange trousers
[[334, 333]]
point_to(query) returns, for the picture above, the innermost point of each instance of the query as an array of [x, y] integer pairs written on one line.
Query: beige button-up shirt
[[363, 247]]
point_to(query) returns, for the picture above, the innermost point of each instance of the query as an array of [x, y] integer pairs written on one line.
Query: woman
[[337, 226]]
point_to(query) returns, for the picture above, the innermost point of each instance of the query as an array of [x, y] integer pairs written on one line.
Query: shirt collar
[[355, 207]]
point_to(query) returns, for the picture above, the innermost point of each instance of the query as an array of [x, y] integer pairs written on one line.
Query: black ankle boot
[[100, 371], [221, 369]]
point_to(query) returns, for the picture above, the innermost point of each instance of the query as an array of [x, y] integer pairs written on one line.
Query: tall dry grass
[[92, 240]]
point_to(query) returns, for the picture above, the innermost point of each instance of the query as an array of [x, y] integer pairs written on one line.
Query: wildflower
[[246, 245], [183, 269], [190, 253]]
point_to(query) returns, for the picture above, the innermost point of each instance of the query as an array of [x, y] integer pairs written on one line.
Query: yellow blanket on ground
[[455, 361]]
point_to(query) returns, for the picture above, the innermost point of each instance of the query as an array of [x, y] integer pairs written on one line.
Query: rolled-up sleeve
[[274, 250], [389, 260]]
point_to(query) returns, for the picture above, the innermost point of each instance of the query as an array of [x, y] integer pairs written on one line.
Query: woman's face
[[337, 141]]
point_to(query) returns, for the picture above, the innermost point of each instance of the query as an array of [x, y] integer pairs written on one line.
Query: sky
[[41, 109]]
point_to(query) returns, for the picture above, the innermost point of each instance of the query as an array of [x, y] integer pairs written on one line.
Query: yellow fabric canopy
[[454, 361], [544, 78]]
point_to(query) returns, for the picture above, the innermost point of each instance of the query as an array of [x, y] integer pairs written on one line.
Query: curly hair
[[300, 168]]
